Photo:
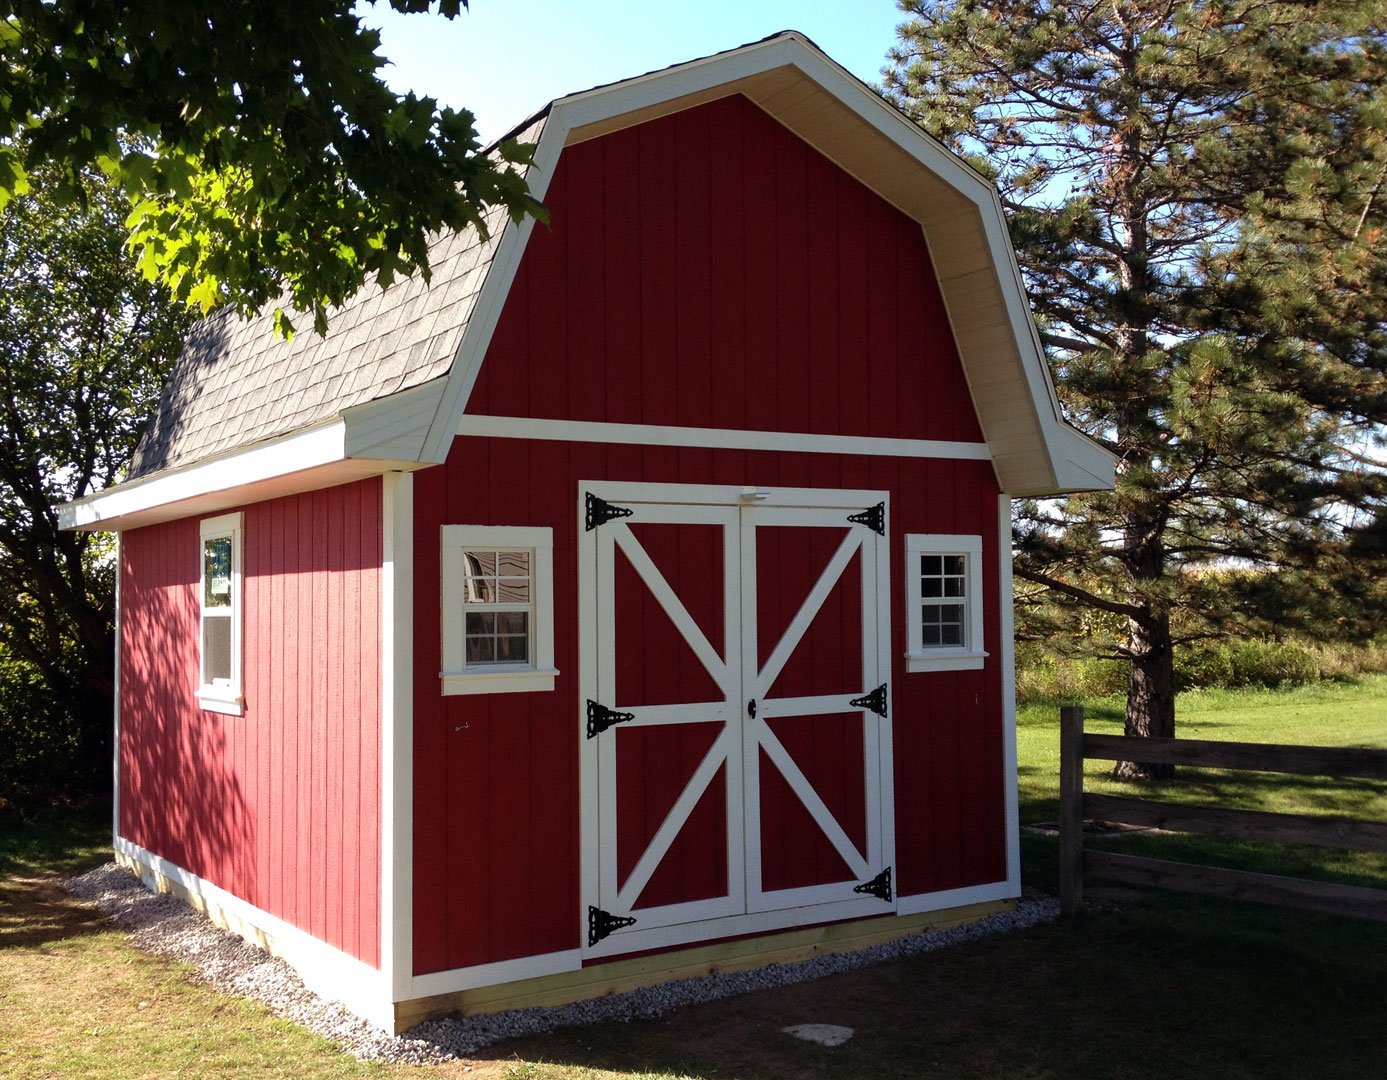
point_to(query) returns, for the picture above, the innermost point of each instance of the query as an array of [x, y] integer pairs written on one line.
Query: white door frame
[[751, 910]]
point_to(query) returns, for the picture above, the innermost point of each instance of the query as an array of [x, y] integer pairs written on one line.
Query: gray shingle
[[236, 384]]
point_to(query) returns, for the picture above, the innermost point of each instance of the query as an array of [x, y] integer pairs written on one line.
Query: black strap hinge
[[873, 517], [873, 702], [600, 718], [600, 511], [602, 923], [879, 886]]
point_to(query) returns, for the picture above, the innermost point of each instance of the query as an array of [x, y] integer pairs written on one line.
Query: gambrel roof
[[236, 384], [246, 416]]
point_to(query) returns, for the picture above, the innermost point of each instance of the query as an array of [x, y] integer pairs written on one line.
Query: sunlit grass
[[1323, 714]]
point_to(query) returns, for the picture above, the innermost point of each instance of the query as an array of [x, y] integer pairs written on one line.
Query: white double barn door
[[736, 747]]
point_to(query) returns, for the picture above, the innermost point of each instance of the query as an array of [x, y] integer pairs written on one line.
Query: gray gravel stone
[[163, 925]]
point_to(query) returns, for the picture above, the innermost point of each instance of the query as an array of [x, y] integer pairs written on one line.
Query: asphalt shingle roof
[[236, 384]]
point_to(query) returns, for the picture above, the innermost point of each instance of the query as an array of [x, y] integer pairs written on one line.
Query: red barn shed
[[631, 601]]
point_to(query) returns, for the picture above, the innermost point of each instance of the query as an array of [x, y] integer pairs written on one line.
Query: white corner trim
[[397, 734], [951, 898], [324, 969], [115, 704], [521, 427], [1006, 626]]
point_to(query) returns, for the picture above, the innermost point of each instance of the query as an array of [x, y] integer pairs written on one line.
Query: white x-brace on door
[[736, 742]]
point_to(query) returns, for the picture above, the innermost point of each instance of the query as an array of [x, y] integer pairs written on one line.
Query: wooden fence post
[[1071, 810]]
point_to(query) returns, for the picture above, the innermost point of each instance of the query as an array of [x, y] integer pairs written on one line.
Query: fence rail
[[1348, 833]]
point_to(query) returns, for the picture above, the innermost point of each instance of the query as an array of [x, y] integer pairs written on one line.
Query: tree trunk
[[1150, 692]]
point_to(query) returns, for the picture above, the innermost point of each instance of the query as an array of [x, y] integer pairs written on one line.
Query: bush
[[1064, 679], [48, 755], [1254, 662]]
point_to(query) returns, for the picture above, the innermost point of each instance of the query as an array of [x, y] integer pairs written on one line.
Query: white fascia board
[[304, 461], [306, 450], [1080, 463]]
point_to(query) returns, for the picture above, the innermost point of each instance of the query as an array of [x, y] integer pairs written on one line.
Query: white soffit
[[305, 461], [959, 211]]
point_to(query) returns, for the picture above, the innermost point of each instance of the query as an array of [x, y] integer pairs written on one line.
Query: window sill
[[944, 660], [220, 702], [499, 681]]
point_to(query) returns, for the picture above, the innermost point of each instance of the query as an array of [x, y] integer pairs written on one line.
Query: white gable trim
[[1034, 451], [524, 427]]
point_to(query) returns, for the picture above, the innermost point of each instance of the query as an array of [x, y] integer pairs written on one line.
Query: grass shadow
[[36, 911], [37, 851]]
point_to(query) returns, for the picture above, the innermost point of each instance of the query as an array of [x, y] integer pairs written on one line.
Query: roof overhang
[[366, 440]]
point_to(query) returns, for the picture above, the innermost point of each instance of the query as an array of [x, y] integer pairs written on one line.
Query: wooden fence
[[1075, 806]]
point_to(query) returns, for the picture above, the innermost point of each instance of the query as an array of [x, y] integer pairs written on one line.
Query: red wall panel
[[704, 269], [496, 776], [280, 806], [710, 269]]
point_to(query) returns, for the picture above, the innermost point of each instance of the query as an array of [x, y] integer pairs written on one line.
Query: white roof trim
[[1041, 465], [304, 461]]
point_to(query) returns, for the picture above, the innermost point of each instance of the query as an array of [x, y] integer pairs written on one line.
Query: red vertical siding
[[704, 269], [710, 269], [496, 776], [280, 806]]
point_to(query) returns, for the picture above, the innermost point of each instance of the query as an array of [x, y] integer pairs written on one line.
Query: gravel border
[[162, 924]]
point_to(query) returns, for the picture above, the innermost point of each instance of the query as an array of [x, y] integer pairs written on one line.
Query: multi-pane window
[[219, 599], [944, 601], [499, 609], [498, 618]]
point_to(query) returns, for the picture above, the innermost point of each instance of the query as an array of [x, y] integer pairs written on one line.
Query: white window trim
[[456, 676], [223, 696], [971, 655]]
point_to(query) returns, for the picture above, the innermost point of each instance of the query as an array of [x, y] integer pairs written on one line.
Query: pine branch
[[1092, 599]]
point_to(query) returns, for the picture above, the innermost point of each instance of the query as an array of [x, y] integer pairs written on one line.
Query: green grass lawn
[[1151, 986], [1326, 714]]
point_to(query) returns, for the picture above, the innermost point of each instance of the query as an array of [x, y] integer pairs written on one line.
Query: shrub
[[1051, 678], [1254, 662]]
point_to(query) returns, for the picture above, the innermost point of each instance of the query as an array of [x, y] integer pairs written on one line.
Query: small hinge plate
[[873, 702], [879, 886], [602, 923], [873, 517], [600, 511], [600, 718]]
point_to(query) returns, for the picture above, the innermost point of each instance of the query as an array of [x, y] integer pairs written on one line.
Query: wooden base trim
[[324, 969], [618, 976]]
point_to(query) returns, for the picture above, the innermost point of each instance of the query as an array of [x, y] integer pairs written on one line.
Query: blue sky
[[505, 59]]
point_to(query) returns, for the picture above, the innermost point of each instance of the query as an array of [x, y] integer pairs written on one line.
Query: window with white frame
[[943, 575], [219, 602], [498, 609]]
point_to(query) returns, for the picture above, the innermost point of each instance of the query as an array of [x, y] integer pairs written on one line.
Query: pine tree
[[1184, 182]]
